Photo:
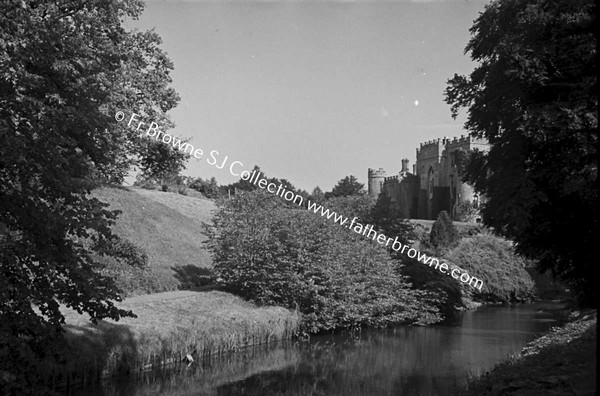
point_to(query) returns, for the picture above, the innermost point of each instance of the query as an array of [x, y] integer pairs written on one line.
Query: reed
[[168, 328]]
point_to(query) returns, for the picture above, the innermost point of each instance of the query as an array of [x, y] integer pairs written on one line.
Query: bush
[[446, 294], [467, 212], [444, 234], [351, 206], [135, 281], [182, 189], [209, 188], [296, 259], [131, 272], [493, 260]]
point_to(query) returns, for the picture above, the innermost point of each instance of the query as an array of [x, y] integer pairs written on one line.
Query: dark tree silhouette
[[533, 96], [443, 234], [346, 186], [65, 69]]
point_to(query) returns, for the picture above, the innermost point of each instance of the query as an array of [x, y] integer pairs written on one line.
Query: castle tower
[[404, 165], [376, 179]]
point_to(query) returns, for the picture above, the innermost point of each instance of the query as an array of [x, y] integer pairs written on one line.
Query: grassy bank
[[169, 326], [562, 362], [168, 227]]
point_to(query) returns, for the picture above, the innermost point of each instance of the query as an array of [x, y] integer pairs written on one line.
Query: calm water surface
[[434, 360]]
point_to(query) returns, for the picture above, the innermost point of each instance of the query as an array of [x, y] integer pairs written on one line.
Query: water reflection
[[401, 361]]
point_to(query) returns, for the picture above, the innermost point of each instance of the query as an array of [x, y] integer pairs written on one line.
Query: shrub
[[351, 206], [182, 189], [446, 294], [209, 188], [134, 281], [467, 212], [131, 272], [493, 260], [444, 234], [293, 258]]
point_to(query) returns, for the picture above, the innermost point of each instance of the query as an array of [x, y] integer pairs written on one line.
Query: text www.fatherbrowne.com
[[290, 196], [369, 232]]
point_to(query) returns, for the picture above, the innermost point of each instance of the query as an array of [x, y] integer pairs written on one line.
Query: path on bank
[[561, 362]]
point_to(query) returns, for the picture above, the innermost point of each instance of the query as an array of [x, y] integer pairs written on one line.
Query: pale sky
[[312, 91]]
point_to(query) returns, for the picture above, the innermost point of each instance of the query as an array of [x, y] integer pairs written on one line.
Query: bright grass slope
[[168, 227]]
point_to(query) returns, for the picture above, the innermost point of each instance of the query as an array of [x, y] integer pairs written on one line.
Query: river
[[433, 360]]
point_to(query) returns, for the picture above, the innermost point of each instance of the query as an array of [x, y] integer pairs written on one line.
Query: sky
[[312, 91]]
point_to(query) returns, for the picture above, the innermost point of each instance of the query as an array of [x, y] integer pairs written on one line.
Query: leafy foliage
[[275, 255], [317, 195], [493, 260], [162, 162], [245, 185], [352, 205], [533, 96], [388, 221], [443, 234], [60, 64], [467, 212], [461, 158], [210, 188], [346, 186]]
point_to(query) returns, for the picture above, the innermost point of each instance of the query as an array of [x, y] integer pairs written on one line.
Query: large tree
[[533, 95], [345, 187], [161, 162], [66, 67]]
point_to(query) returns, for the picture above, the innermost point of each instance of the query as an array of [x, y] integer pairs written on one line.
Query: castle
[[434, 184]]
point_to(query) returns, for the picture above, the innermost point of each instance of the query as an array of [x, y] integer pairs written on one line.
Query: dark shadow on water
[[430, 360], [92, 351], [200, 377]]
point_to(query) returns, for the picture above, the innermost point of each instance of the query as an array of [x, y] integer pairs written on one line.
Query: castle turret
[[376, 179], [404, 165]]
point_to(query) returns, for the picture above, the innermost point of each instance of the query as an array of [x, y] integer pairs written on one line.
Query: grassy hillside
[[168, 226]]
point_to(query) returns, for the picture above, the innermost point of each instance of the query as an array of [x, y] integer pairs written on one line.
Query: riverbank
[[561, 362], [169, 327]]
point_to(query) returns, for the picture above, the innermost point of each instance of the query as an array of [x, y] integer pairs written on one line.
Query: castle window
[[430, 183]]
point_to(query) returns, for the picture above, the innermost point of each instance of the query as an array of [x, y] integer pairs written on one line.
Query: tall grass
[[169, 327]]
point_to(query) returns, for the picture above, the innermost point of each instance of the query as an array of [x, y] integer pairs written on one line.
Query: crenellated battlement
[[433, 185], [377, 173], [463, 140]]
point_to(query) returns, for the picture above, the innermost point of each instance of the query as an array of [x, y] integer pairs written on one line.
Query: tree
[[61, 64], [210, 188], [162, 162], [467, 212], [461, 158], [443, 234], [276, 255], [493, 260], [346, 186], [359, 206], [317, 195], [533, 96], [246, 185]]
